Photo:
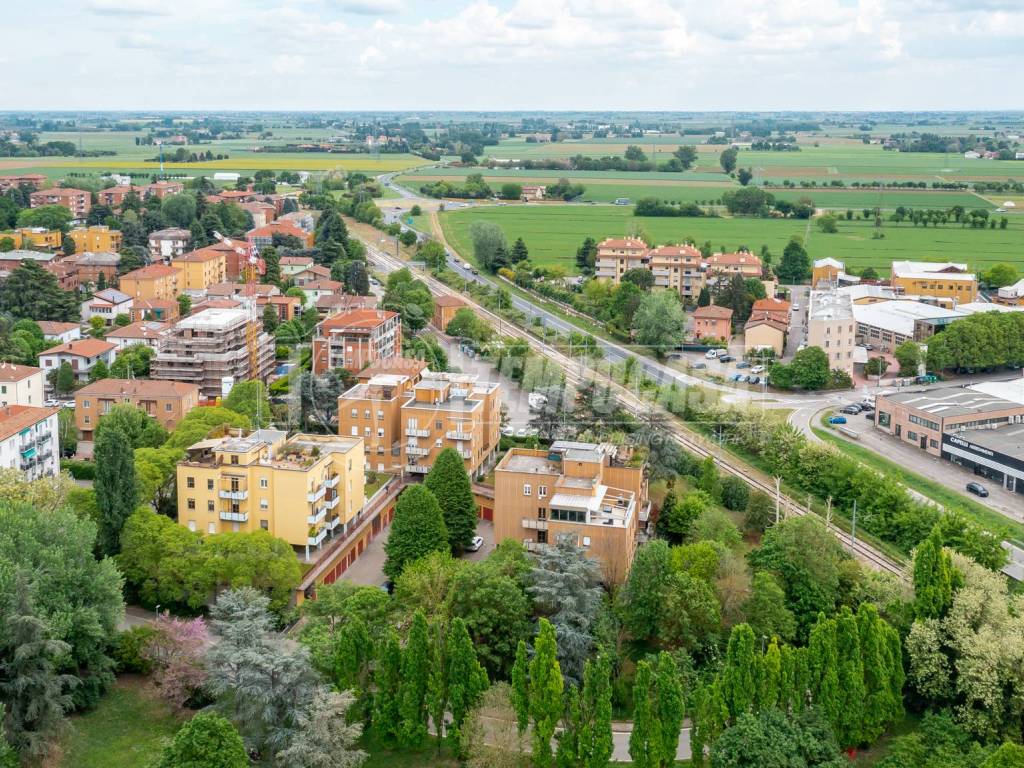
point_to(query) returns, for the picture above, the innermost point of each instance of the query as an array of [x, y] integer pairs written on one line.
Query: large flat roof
[[1008, 440], [944, 402], [899, 316]]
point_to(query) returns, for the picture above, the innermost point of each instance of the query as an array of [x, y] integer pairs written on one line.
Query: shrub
[[129, 647], [80, 470], [735, 493]]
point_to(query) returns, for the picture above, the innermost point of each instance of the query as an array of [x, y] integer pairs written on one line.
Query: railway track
[[682, 435]]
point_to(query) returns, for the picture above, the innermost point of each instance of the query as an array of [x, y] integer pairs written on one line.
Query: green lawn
[[554, 232], [988, 518], [385, 756], [125, 731]]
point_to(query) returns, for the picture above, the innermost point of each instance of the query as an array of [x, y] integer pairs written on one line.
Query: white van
[[711, 354]]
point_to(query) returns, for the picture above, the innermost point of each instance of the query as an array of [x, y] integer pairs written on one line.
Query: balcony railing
[[235, 517], [416, 469], [415, 450], [332, 482], [417, 433], [465, 454], [317, 540], [317, 517], [314, 497], [333, 523], [332, 503], [234, 495], [456, 435], [534, 524]]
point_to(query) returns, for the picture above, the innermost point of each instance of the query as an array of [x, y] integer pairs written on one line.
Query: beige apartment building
[[21, 385], [354, 339], [198, 270], [209, 349], [302, 489], [832, 327], [586, 491], [405, 423], [166, 401], [96, 238], [677, 267], [78, 201], [616, 256], [157, 281]]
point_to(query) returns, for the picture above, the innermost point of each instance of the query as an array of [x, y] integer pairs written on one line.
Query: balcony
[[535, 525], [234, 494], [465, 454], [314, 497], [417, 433], [415, 450], [456, 435], [332, 503], [317, 517], [318, 539], [332, 482], [416, 469], [333, 523], [235, 517]]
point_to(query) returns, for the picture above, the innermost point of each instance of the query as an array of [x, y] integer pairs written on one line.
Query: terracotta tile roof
[[297, 260], [357, 319], [137, 387], [143, 329], [403, 366], [323, 285], [278, 228], [677, 250], [61, 191], [12, 372], [154, 304], [199, 255], [343, 301], [627, 242], [733, 259], [152, 272], [171, 233], [770, 305], [316, 270], [713, 312], [264, 300], [15, 418], [80, 348], [53, 328], [755, 321]]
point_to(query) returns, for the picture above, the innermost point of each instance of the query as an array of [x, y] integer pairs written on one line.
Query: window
[[209, 505], [264, 483], [191, 504], [209, 484], [234, 459], [526, 489], [933, 443], [366, 413], [168, 407], [932, 425], [355, 431], [211, 528], [366, 431], [192, 525], [542, 491], [88, 420], [884, 419], [569, 515], [190, 482], [265, 525], [355, 413], [85, 403], [586, 541], [380, 414], [542, 513], [264, 504], [912, 436]]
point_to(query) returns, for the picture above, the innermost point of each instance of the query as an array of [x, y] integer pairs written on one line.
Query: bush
[[735, 493], [80, 470], [128, 649]]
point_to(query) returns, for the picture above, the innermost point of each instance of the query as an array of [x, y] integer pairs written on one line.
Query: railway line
[[683, 436]]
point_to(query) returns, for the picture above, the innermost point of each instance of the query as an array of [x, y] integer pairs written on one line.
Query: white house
[[62, 332], [108, 304], [20, 385], [29, 440], [166, 244], [81, 355], [145, 332], [971, 155]]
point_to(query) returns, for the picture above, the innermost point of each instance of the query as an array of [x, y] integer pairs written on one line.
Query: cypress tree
[[770, 681], [438, 684], [823, 660], [787, 681], [116, 493], [545, 693], [520, 689], [449, 482], [933, 578], [416, 663], [850, 670], [417, 530], [897, 676], [567, 754], [875, 659], [801, 678], [595, 739], [704, 297], [645, 738], [669, 707], [388, 678], [353, 653], [467, 679], [710, 720], [739, 676]]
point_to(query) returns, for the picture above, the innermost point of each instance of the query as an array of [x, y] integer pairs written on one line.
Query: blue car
[[837, 420]]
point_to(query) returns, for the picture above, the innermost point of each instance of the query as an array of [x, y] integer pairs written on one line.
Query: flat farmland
[[554, 232]]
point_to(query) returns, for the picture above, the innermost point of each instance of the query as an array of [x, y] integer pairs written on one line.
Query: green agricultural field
[[554, 232]]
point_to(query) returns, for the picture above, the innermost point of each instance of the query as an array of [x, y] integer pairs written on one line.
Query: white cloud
[[288, 64], [370, 7]]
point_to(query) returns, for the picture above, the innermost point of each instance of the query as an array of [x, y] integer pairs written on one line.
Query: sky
[[686, 55]]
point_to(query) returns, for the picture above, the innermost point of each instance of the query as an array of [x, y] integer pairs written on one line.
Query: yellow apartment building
[[406, 423], [939, 279], [677, 267], [157, 281], [97, 238], [34, 237], [616, 256], [198, 270], [591, 492], [302, 489]]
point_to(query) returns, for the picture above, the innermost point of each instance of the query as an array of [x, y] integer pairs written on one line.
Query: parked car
[[742, 364], [742, 378], [699, 366], [52, 404], [869, 414], [711, 354], [508, 430], [754, 380], [521, 432], [796, 308], [475, 544], [852, 409], [977, 489], [733, 377], [726, 358], [837, 420], [757, 369]]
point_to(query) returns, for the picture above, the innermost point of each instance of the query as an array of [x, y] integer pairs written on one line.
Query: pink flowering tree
[[176, 653]]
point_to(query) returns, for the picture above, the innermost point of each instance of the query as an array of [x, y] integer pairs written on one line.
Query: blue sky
[[514, 54]]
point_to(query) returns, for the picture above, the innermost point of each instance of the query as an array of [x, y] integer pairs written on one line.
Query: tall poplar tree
[[769, 689], [850, 672], [520, 688], [877, 670], [644, 739], [467, 679], [416, 663], [669, 709], [388, 679], [739, 675], [823, 660], [116, 493], [595, 730], [449, 482], [545, 693], [933, 578]]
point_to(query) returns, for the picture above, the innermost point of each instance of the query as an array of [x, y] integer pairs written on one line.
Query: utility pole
[[828, 514], [778, 497], [853, 527]]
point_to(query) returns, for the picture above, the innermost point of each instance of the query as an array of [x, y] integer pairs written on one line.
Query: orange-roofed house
[[354, 339], [263, 236], [739, 263], [164, 310], [78, 201], [82, 355], [333, 303], [62, 332], [29, 440], [772, 309], [167, 402], [445, 308], [145, 332], [114, 196], [764, 333], [287, 307], [20, 384], [712, 322], [157, 281], [616, 256], [313, 274], [200, 269], [677, 267], [262, 213]]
